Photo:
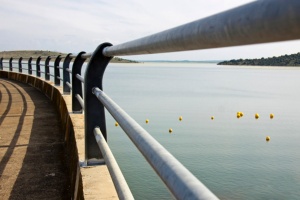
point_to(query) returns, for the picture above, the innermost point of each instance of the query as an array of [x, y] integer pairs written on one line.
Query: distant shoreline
[[292, 60]]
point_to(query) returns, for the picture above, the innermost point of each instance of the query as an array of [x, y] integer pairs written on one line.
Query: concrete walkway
[[31, 145]]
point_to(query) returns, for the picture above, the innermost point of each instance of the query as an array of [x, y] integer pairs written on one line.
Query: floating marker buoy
[[212, 118], [180, 118], [116, 124], [268, 138], [239, 114], [271, 116], [170, 130], [147, 121], [256, 116]]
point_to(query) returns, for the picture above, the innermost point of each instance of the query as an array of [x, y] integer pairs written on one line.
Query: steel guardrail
[[257, 22]]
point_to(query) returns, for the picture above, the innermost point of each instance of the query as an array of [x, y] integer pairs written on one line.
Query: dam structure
[[52, 114]]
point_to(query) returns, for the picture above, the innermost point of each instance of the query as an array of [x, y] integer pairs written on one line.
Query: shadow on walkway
[[31, 145]]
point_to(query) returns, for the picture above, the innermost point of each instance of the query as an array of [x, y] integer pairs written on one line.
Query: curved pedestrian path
[[32, 153]]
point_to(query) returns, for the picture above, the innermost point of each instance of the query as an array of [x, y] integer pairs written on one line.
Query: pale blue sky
[[81, 25]]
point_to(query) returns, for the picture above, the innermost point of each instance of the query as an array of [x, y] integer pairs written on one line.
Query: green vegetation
[[36, 53], [286, 60]]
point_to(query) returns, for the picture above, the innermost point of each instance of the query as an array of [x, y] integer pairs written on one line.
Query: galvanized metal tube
[[73, 55], [85, 55], [80, 100], [69, 70], [113, 167], [69, 85], [80, 78], [181, 182], [258, 22], [60, 78]]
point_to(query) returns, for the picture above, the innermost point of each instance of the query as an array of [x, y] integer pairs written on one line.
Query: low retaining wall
[[87, 182]]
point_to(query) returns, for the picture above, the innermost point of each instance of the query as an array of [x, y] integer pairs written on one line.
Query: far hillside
[[37, 53], [286, 60]]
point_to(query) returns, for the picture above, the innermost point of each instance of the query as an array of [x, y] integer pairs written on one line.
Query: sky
[[72, 26]]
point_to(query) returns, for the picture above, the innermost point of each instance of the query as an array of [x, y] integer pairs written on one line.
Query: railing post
[[38, 67], [57, 70], [66, 74], [20, 64], [94, 113], [47, 71], [10, 64], [76, 84], [1, 63], [29, 66]]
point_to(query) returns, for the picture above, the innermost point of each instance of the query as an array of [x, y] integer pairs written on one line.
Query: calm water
[[229, 155]]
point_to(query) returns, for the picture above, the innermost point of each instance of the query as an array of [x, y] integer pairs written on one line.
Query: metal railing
[[258, 22]]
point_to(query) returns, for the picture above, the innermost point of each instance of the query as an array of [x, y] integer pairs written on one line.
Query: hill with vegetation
[[286, 60], [36, 53]]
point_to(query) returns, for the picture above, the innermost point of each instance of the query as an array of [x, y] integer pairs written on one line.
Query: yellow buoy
[[271, 116], [147, 121], [256, 115], [170, 130], [212, 118], [116, 124], [180, 118], [268, 138], [239, 114]]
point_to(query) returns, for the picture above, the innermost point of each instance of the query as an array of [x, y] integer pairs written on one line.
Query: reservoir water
[[229, 155]]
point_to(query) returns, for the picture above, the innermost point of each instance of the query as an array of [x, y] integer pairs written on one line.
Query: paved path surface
[[31, 145]]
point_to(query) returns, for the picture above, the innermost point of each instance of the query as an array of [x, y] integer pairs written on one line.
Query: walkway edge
[[88, 182]]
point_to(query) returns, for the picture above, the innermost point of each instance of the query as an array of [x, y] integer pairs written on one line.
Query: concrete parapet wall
[[87, 182]]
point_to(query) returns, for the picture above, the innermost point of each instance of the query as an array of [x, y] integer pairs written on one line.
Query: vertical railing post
[[29, 66], [1, 63], [47, 71], [76, 84], [20, 64], [94, 113], [57, 70], [38, 67], [66, 74], [10, 64]]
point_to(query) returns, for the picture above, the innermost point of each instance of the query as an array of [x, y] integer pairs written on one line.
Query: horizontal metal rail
[[69, 85], [60, 78], [258, 22], [181, 182], [58, 67], [85, 55], [69, 70], [80, 100], [113, 167], [50, 74], [80, 78]]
